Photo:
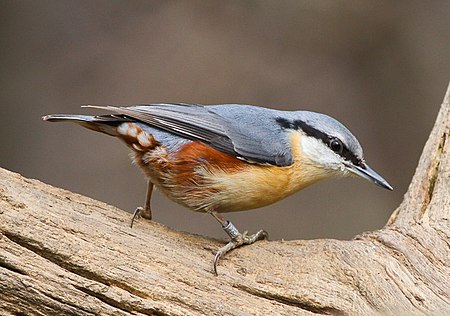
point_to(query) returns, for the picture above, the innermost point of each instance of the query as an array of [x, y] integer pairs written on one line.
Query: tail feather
[[100, 123]]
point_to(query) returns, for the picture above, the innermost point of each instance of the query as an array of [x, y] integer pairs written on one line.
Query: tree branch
[[62, 253]]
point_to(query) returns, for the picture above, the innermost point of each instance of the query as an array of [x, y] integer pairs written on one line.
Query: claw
[[146, 211], [141, 211], [237, 241]]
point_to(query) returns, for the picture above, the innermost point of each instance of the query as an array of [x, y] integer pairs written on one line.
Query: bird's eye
[[336, 146]]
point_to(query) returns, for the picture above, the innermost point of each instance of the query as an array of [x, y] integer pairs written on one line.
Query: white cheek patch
[[320, 154]]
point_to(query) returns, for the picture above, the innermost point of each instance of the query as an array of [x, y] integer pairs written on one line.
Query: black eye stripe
[[311, 131]]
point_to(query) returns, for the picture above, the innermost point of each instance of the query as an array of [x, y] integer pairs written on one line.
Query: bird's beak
[[368, 173]]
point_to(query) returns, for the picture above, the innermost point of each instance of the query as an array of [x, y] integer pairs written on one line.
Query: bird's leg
[[146, 211], [237, 239]]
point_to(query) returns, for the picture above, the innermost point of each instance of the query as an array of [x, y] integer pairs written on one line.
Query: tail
[[100, 123]]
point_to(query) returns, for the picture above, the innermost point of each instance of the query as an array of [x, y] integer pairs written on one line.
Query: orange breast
[[205, 179]]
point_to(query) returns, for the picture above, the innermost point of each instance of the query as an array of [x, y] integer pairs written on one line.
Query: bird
[[229, 157]]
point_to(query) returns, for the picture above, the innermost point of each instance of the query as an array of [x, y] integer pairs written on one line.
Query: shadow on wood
[[66, 254]]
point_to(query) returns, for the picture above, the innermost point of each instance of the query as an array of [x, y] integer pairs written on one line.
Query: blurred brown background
[[380, 67]]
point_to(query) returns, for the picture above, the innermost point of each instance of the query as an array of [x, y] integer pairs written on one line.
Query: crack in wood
[[432, 178], [11, 267], [306, 305], [64, 262], [65, 303], [128, 308]]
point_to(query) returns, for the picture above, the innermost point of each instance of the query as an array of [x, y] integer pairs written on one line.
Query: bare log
[[65, 254]]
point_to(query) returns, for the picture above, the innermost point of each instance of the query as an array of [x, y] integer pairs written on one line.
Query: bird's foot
[[237, 240], [141, 212]]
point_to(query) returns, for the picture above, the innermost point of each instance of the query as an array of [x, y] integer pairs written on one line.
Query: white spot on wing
[[123, 128], [132, 131], [143, 139]]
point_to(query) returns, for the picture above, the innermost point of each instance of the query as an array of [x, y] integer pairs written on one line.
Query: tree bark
[[65, 254]]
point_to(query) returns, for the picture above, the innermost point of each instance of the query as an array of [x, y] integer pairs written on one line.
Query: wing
[[247, 132]]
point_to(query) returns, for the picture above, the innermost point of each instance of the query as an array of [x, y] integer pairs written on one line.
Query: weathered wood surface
[[66, 254]]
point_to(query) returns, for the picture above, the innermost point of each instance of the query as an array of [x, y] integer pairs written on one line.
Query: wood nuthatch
[[230, 157]]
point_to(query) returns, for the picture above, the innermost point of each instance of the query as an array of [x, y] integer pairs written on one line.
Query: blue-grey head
[[329, 144]]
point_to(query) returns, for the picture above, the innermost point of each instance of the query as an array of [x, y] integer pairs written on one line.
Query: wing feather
[[247, 132]]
